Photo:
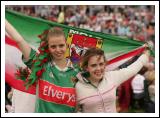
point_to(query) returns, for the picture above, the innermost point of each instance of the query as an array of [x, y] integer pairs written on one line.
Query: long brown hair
[[90, 53]]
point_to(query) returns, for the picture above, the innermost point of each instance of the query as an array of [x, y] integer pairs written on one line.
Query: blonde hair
[[44, 55], [55, 31]]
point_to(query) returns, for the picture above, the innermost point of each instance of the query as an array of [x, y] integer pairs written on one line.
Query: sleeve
[[32, 56], [124, 74]]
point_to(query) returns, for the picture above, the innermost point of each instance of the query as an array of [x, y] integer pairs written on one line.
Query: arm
[[126, 73], [23, 45]]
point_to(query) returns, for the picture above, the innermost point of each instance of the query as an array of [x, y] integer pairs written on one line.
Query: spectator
[[138, 89]]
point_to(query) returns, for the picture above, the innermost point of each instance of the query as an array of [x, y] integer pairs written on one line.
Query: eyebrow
[[93, 64], [56, 45], [61, 44], [52, 45]]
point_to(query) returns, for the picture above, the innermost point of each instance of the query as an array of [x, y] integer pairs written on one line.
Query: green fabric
[[54, 76], [32, 56], [30, 27], [47, 107]]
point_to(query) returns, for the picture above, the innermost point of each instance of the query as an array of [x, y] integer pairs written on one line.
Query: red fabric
[[10, 74], [11, 42], [57, 94], [124, 95], [18, 84], [132, 53], [11, 79]]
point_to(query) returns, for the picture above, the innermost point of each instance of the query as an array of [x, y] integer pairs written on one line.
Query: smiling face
[[57, 47], [96, 67]]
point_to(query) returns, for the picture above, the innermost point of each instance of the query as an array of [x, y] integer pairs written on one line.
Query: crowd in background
[[135, 22]]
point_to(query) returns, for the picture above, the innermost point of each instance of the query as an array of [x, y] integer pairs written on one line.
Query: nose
[[57, 49], [98, 67]]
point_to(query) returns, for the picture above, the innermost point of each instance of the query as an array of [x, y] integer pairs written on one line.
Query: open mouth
[[98, 73], [59, 55]]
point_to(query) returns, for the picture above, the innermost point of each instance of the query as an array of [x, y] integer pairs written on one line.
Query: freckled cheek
[[102, 69], [64, 50], [92, 70], [50, 49]]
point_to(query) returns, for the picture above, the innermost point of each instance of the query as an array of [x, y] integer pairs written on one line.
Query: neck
[[94, 81], [61, 63]]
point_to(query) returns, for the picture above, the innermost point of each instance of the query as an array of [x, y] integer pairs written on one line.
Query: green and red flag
[[117, 49]]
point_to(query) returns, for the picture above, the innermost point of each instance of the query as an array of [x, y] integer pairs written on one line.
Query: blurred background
[[134, 21]]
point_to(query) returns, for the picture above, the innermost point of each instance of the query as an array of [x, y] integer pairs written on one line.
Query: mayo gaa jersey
[[55, 90]]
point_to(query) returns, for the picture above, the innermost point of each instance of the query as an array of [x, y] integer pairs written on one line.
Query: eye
[[93, 65], [53, 46], [101, 64], [61, 45]]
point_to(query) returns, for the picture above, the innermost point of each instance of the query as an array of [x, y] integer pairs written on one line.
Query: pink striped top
[[103, 98]]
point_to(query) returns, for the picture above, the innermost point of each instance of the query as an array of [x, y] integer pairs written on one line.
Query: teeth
[[98, 73], [58, 54]]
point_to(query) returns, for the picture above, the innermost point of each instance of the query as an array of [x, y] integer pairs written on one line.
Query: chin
[[99, 78], [61, 57]]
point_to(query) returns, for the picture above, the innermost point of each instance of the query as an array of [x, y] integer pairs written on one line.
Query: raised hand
[[23, 45]]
